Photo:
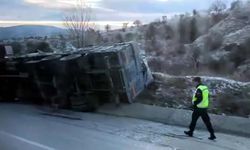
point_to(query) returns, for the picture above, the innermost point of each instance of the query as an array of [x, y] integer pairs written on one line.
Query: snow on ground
[[228, 96], [207, 78]]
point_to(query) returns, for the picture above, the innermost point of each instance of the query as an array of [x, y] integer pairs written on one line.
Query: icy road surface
[[27, 128]]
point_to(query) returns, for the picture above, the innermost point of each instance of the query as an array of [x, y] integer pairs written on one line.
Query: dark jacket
[[199, 97]]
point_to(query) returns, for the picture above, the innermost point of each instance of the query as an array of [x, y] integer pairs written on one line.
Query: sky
[[114, 12]]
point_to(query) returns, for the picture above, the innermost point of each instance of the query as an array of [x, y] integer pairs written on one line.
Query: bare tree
[[107, 28], [164, 19], [195, 57], [217, 11], [236, 4], [77, 21], [218, 6], [137, 23], [124, 26], [193, 28]]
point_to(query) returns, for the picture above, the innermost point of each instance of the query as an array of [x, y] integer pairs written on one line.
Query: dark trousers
[[200, 112]]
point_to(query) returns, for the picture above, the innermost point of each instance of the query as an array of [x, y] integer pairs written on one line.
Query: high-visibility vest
[[205, 97]]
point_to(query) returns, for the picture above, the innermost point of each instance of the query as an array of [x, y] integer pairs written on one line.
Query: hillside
[[28, 30], [229, 50], [201, 43]]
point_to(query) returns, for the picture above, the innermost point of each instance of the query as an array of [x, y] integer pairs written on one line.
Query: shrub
[[238, 55], [43, 46], [222, 65], [17, 47], [213, 41], [234, 103]]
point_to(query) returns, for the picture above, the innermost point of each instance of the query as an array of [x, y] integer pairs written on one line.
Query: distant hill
[[28, 30]]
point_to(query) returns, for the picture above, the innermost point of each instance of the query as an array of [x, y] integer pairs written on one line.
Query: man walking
[[200, 105]]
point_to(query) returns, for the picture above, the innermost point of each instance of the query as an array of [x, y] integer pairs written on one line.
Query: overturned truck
[[82, 79]]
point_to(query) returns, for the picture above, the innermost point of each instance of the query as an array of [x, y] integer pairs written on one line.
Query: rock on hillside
[[226, 47]]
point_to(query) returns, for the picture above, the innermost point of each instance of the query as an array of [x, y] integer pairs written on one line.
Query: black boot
[[212, 137], [189, 133]]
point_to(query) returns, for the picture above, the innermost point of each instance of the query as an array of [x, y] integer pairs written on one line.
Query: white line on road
[[27, 141]]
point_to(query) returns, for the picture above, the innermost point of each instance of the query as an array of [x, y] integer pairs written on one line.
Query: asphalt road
[[24, 127]]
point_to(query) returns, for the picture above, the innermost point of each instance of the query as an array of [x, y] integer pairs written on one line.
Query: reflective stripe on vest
[[205, 97]]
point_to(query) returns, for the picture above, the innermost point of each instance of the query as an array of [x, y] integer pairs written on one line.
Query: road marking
[[28, 141]]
